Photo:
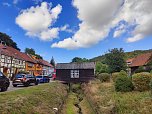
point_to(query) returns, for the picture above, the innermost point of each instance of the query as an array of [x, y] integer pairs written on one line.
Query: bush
[[142, 69], [76, 88], [115, 75], [150, 84], [151, 72], [104, 77], [141, 81], [123, 84]]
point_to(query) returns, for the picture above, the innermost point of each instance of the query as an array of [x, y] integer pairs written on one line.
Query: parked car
[[53, 75], [43, 79], [4, 82], [24, 79]]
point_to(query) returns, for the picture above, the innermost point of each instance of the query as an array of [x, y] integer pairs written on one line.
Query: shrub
[[104, 77], [115, 75], [76, 88], [150, 84], [123, 84], [141, 81], [151, 72]]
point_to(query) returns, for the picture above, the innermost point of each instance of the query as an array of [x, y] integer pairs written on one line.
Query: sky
[[66, 29]]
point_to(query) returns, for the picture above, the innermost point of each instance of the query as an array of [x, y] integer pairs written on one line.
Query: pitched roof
[[86, 65], [9, 51], [141, 60], [27, 58], [46, 63]]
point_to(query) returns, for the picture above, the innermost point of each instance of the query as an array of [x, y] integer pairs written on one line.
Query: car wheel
[[14, 85], [36, 83], [4, 88], [26, 84]]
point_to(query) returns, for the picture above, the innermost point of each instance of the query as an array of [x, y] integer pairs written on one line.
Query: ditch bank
[[76, 102], [39, 99]]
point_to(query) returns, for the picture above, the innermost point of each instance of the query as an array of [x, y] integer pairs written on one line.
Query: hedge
[[141, 81]]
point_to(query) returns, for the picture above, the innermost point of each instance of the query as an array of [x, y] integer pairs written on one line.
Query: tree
[[101, 68], [79, 60], [7, 39], [52, 62], [32, 52], [115, 60]]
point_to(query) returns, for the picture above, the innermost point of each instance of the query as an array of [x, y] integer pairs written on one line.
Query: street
[[11, 88]]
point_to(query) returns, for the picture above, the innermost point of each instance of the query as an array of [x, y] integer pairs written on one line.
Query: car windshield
[[19, 76], [50, 75], [38, 76]]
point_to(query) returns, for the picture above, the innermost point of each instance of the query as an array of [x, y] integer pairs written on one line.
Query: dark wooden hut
[[75, 72]]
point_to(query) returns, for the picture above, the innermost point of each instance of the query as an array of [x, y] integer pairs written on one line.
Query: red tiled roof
[[141, 60], [45, 63], [27, 57], [9, 51], [130, 60]]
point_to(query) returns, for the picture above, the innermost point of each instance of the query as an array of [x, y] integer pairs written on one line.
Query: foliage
[[7, 39], [141, 69], [141, 81], [151, 72], [105, 100], [79, 60], [115, 75], [31, 51], [128, 55], [150, 84], [115, 60], [76, 88], [101, 68], [123, 84], [104, 77], [52, 62]]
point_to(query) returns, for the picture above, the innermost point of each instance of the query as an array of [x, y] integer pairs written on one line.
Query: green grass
[[106, 100], [69, 107], [86, 108], [33, 100]]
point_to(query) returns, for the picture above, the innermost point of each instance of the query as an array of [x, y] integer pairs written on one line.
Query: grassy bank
[[106, 101], [34, 100]]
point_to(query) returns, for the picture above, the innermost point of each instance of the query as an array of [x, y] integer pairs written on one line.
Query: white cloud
[[15, 1], [6, 4], [38, 21], [96, 19], [139, 13], [99, 16]]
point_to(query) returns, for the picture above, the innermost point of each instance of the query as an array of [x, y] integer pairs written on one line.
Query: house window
[[74, 73]]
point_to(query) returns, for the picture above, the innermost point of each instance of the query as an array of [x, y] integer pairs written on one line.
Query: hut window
[[74, 73]]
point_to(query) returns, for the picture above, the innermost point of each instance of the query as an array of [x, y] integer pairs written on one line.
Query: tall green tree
[[52, 62], [32, 52], [8, 41], [115, 59], [79, 60]]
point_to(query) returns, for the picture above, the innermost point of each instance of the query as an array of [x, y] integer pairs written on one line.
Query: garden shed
[[75, 72]]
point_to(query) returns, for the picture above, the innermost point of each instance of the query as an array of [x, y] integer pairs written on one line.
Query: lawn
[[33, 100], [106, 101]]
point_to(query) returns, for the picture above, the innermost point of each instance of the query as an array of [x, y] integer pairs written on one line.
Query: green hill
[[129, 55]]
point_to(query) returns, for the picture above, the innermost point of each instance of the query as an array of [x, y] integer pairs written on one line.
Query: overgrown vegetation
[[115, 75], [123, 84], [106, 100], [141, 81], [39, 99], [104, 77], [101, 68]]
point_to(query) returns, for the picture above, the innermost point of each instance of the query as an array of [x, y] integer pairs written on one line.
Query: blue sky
[[89, 31]]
